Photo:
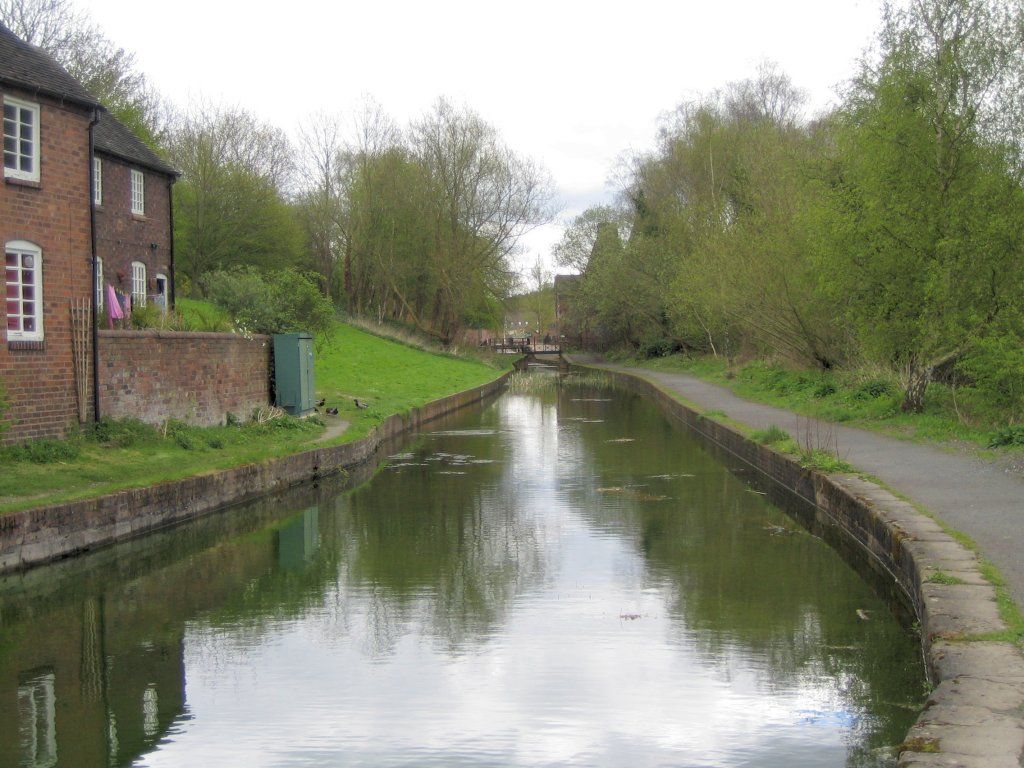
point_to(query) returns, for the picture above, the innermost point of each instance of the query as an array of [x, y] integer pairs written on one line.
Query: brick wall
[[123, 237], [195, 377], [53, 214]]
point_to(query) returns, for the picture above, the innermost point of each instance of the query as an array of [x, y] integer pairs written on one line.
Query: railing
[[526, 348]]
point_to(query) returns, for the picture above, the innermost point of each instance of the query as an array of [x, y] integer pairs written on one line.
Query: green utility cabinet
[[293, 373]]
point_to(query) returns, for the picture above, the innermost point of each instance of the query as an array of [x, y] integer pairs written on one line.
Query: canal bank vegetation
[[864, 396], [862, 264], [385, 377]]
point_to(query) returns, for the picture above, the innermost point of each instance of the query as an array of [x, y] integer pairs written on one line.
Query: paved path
[[974, 496]]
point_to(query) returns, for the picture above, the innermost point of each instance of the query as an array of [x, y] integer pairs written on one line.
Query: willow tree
[[928, 217]]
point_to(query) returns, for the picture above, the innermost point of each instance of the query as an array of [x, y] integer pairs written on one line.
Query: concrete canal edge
[[974, 716], [36, 536]]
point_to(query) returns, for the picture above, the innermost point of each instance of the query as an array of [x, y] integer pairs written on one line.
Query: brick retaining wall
[[194, 377]]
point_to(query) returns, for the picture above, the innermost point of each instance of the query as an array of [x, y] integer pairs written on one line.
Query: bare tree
[[107, 70]]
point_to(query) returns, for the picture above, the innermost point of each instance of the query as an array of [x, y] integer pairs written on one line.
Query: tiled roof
[[112, 137], [29, 68]]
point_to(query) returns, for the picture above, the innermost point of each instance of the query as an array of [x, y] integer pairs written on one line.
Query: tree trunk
[[918, 377]]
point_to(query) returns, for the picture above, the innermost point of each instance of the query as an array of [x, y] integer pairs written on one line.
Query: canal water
[[558, 578]]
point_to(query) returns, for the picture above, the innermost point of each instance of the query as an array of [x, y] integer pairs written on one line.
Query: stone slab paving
[[972, 495]]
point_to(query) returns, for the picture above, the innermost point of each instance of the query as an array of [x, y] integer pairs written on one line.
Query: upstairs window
[[138, 193], [23, 284], [97, 181], [138, 284], [21, 140]]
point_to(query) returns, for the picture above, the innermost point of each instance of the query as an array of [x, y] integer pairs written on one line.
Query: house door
[[161, 291]]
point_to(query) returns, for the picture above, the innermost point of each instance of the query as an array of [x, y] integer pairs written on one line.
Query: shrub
[[770, 436], [148, 316], [198, 316], [873, 389], [825, 389], [121, 433], [272, 302], [659, 347], [43, 451], [996, 369], [1007, 436], [191, 438]]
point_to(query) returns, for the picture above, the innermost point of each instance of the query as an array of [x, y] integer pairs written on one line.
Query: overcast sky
[[573, 84]]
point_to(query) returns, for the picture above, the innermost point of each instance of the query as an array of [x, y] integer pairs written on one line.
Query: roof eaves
[[165, 170], [43, 91]]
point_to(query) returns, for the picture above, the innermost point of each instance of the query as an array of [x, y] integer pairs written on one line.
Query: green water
[[559, 578]]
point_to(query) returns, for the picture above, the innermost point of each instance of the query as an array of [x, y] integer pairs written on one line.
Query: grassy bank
[[386, 376], [866, 398]]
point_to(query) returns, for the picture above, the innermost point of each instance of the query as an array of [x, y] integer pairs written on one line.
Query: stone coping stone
[[974, 717], [157, 333]]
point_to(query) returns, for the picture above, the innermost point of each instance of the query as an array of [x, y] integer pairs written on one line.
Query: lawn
[[385, 375]]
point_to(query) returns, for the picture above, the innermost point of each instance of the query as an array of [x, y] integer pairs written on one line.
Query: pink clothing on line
[[113, 305]]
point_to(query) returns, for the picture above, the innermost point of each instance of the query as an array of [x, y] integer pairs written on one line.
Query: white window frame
[[99, 284], [97, 181], [24, 248], [138, 193], [17, 173], [138, 284]]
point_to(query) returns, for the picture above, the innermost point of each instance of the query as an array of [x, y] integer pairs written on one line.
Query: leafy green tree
[[482, 197], [230, 208], [429, 220], [928, 219]]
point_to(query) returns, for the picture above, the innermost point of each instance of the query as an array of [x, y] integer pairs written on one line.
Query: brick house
[[132, 199], [50, 122]]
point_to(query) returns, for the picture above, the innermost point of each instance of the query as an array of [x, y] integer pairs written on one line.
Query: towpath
[[974, 496]]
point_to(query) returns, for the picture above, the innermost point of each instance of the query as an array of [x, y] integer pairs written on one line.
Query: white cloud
[[571, 83]]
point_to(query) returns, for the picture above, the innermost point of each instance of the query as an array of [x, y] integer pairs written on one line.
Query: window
[[23, 278], [99, 284], [138, 284], [21, 140], [97, 181], [138, 192]]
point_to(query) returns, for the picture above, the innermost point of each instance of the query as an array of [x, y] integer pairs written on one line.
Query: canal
[[560, 577]]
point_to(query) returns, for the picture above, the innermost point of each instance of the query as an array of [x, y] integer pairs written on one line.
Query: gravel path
[[983, 499]]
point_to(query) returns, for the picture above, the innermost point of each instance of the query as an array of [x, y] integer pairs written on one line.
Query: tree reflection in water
[[488, 566]]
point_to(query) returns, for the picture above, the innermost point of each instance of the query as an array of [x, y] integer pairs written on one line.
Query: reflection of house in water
[[92, 669], [89, 692]]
